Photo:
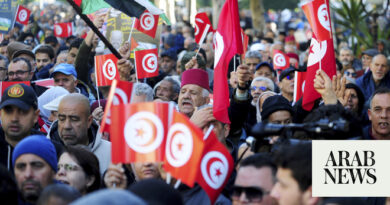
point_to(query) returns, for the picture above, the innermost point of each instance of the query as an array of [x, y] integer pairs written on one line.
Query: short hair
[[297, 158], [15, 60], [260, 160], [175, 84], [88, 161], [144, 89], [51, 39], [5, 59], [380, 54], [63, 191], [346, 49], [205, 93], [253, 54], [76, 43], [48, 49], [380, 90], [267, 80]]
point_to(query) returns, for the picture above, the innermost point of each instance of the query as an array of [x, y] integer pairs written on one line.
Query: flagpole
[[203, 38], [96, 81], [131, 31], [135, 66], [177, 184], [94, 29]]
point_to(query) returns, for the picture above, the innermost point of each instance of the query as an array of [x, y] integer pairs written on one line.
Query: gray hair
[[258, 112], [205, 93], [5, 59], [175, 84], [346, 49], [271, 85], [144, 89], [253, 54]]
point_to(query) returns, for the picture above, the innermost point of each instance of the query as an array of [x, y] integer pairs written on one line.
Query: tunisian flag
[[318, 15], [183, 149], [147, 23], [22, 15], [138, 132], [321, 56], [215, 167], [280, 60], [120, 93], [106, 69], [228, 42], [299, 84], [202, 27], [63, 30], [146, 63]]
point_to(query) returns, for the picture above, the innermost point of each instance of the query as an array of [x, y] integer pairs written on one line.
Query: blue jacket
[[367, 85]]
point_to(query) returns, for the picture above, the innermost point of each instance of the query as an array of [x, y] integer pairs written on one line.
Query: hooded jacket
[[100, 147]]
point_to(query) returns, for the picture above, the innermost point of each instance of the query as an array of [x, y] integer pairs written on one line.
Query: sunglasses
[[290, 76], [252, 193], [350, 73], [262, 88]]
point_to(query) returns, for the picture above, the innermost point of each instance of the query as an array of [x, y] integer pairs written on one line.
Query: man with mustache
[[19, 113], [377, 76], [35, 164], [75, 126], [194, 91]]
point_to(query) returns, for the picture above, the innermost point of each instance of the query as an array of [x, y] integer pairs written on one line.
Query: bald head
[[78, 100]]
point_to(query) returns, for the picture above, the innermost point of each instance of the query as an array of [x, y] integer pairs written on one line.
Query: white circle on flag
[[120, 97], [58, 29], [149, 62], [147, 21], [214, 168], [219, 47], [317, 51], [144, 132], [196, 25], [279, 60], [179, 145], [323, 16], [109, 69], [23, 15]]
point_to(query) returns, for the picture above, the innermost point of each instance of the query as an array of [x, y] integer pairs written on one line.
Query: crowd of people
[[52, 150]]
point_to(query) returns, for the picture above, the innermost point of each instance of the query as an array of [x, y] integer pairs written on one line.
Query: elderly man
[[367, 56], [194, 91], [378, 76], [19, 113], [76, 126], [255, 180], [379, 116], [167, 89], [35, 164], [252, 58], [286, 83]]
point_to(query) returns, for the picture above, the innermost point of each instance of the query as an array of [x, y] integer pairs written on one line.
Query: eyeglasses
[[19, 72], [350, 73], [252, 193], [68, 167], [290, 76], [262, 88]]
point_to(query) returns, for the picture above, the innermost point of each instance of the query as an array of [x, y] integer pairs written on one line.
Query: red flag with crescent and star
[[183, 149], [147, 23], [138, 132], [202, 27], [280, 60], [106, 69], [120, 93], [321, 56], [23, 15], [63, 30], [318, 15], [215, 168], [146, 63], [228, 42]]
